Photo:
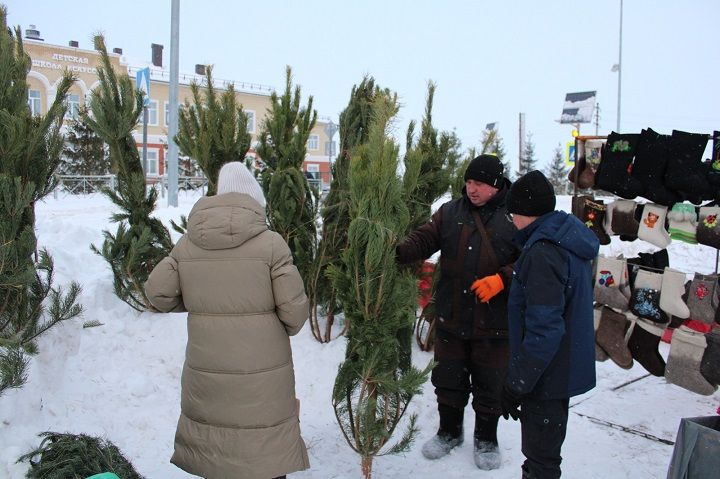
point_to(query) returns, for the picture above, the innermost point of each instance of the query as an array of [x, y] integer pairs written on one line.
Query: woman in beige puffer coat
[[244, 298]]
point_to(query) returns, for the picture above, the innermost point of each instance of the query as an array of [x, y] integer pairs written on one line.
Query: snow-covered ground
[[121, 380]]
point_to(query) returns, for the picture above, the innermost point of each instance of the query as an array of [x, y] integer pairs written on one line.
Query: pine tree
[[291, 201], [85, 153], [557, 172], [141, 241], [213, 130], [372, 391], [30, 149], [457, 182], [353, 127], [528, 161]]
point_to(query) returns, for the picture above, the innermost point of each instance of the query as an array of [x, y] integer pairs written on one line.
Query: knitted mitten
[[610, 336], [683, 223], [652, 226], [609, 275], [623, 220], [593, 217], [592, 161], [710, 365], [708, 226], [645, 300], [703, 298], [643, 345], [673, 288], [651, 159], [613, 173], [683, 364]]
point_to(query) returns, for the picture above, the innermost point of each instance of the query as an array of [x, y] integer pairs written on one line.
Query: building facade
[[50, 61]]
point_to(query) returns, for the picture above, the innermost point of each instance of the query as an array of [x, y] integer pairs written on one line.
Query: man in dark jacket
[[550, 322], [474, 237]]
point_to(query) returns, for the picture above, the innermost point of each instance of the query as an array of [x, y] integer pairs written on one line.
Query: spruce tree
[[457, 182], [291, 201], [30, 149], [213, 129], [528, 161], [141, 241], [372, 391], [354, 125], [85, 153], [492, 144], [557, 172]]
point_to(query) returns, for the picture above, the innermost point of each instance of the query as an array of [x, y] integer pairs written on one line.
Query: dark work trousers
[[543, 424], [464, 366]]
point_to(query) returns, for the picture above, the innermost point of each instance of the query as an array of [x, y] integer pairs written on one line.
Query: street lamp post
[[619, 67], [330, 130]]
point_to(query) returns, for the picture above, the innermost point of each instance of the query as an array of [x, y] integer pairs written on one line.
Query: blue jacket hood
[[563, 229]]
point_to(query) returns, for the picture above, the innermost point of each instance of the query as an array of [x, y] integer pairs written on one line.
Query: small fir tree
[[30, 149], [492, 144], [85, 153], [528, 161], [457, 183], [354, 125], [557, 172], [291, 201], [213, 129], [372, 391], [141, 241]]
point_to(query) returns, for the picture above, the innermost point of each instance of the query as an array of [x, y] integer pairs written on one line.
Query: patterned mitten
[[610, 336], [645, 300], [643, 345], [600, 354], [609, 275], [673, 288], [593, 217], [703, 298], [710, 365], [683, 223], [683, 364], [623, 220], [708, 226], [652, 225]]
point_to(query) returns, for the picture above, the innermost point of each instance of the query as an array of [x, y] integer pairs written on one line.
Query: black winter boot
[[449, 435], [486, 451]]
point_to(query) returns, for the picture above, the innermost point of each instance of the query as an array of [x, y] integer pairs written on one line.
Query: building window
[[167, 114], [313, 142], [153, 112], [250, 120], [152, 161], [73, 106], [34, 102]]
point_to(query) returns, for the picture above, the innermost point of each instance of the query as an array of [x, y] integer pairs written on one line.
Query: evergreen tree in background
[[557, 172], [372, 391], [85, 153], [528, 161], [492, 144], [354, 126], [141, 241], [213, 130], [30, 149], [457, 183], [291, 201]]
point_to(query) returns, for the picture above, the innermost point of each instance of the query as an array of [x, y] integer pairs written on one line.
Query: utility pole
[[172, 163], [619, 70]]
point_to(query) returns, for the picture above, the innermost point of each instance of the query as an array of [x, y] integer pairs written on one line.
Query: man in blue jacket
[[550, 322]]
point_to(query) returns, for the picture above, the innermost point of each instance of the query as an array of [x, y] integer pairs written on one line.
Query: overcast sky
[[491, 60]]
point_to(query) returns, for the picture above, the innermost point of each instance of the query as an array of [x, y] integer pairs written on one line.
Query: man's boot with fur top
[[449, 436]]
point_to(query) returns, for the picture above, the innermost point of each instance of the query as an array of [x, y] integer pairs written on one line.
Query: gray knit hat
[[236, 178]]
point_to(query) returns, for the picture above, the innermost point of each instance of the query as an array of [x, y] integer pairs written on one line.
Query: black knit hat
[[487, 169], [531, 195]]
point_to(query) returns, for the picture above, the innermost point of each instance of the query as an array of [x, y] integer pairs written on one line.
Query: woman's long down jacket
[[244, 297]]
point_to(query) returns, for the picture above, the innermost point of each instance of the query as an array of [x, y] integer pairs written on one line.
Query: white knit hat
[[236, 178]]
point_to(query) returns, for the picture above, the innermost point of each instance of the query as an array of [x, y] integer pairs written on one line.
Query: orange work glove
[[486, 288]]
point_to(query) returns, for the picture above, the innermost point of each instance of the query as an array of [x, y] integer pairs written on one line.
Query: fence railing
[[90, 184]]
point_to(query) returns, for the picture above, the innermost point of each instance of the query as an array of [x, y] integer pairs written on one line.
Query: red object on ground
[[425, 278]]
